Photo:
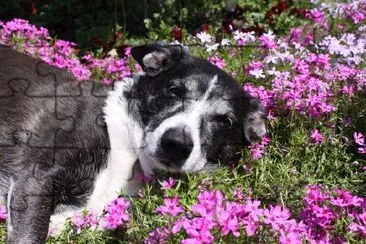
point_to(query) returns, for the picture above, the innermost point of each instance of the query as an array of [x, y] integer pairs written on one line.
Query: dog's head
[[193, 115]]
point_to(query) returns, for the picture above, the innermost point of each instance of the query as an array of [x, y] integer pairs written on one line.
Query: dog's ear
[[254, 124], [158, 57]]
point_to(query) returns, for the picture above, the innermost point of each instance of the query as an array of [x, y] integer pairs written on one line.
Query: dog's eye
[[176, 91], [223, 119]]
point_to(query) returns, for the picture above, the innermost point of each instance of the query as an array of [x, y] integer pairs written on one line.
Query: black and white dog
[[183, 115]]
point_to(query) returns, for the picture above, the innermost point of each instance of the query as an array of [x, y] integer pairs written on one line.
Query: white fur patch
[[125, 136], [10, 192]]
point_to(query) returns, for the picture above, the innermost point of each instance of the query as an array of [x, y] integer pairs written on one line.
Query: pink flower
[[116, 215], [359, 139], [3, 214], [276, 217], [316, 15], [217, 61], [229, 223], [170, 207], [159, 235], [84, 219], [362, 150], [359, 225], [167, 185], [345, 199], [316, 137], [268, 40]]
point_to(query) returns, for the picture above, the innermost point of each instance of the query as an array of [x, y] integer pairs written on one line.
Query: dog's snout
[[176, 145]]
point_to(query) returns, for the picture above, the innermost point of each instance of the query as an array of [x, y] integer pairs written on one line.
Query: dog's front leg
[[113, 180], [30, 206]]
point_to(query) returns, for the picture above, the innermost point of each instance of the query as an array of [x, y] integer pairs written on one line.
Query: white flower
[[257, 73], [210, 48], [204, 37], [113, 53], [225, 42], [271, 59], [273, 71], [244, 36]]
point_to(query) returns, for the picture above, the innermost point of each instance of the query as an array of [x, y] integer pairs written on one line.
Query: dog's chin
[[168, 166]]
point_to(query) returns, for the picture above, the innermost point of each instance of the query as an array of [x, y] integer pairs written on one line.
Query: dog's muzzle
[[175, 147]]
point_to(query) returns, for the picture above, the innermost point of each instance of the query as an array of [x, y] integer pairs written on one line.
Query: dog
[[183, 114]]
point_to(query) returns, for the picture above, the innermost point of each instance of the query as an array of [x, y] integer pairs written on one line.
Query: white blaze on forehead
[[190, 119]]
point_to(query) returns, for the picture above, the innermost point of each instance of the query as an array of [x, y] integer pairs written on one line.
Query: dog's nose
[[176, 145]]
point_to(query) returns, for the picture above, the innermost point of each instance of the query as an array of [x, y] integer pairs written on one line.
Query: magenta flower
[[217, 61], [170, 207], [116, 215], [159, 235], [359, 224], [345, 199], [3, 214], [84, 219], [276, 217], [111, 221], [316, 137], [362, 150], [78, 221], [268, 40], [167, 185], [229, 223], [359, 139]]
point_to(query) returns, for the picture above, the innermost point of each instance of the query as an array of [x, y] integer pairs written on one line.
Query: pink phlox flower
[[317, 15], [200, 230], [84, 219], [116, 214], [210, 199], [256, 151], [3, 214], [345, 199], [302, 67], [359, 138], [359, 224], [202, 211], [215, 60], [167, 185], [159, 235], [315, 195], [78, 221], [357, 17], [170, 207], [229, 223], [276, 217], [362, 150], [111, 221], [268, 40], [323, 60], [191, 241], [316, 136], [183, 222], [249, 216]]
